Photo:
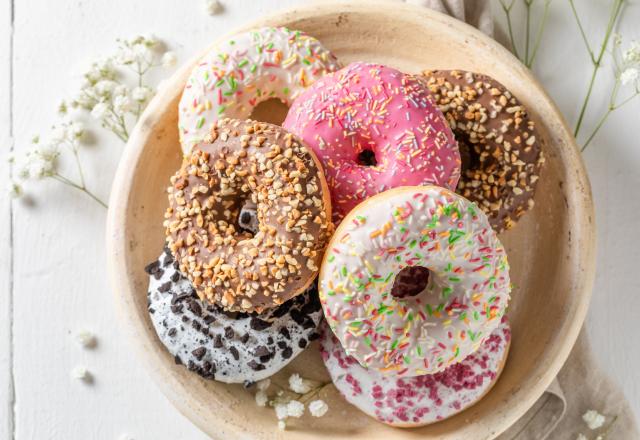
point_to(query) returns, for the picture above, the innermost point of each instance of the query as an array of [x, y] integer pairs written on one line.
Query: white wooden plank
[[6, 303]]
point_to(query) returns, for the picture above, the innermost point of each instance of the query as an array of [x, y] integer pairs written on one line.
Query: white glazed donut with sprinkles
[[245, 70], [465, 295]]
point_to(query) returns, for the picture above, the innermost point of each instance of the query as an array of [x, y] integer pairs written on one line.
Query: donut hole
[[410, 281], [469, 158], [248, 218], [367, 158], [273, 111]]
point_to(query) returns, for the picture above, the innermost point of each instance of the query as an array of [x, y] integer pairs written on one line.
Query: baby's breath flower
[[15, 190], [318, 408], [617, 40], [593, 419], [261, 398], [263, 384], [39, 163], [299, 385], [105, 87], [295, 409], [80, 372], [169, 59], [104, 93], [121, 104], [63, 108], [148, 40], [58, 134], [86, 339], [213, 7], [100, 110], [141, 94], [629, 75], [125, 56], [632, 54], [281, 410], [142, 53], [76, 129]]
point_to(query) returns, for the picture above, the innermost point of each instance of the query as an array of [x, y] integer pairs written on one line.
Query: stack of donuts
[[368, 220]]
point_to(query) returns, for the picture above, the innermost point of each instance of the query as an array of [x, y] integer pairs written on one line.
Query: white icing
[[467, 292], [245, 70]]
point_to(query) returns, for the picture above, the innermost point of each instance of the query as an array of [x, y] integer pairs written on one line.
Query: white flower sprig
[[625, 70], [41, 161], [105, 91], [594, 421], [113, 91], [626, 75], [291, 402]]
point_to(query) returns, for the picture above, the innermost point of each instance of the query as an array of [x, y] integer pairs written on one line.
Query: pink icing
[[418, 400], [373, 107]]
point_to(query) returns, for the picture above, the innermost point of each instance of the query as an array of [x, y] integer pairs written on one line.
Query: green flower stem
[[76, 156], [605, 116], [596, 61], [304, 398], [314, 392], [527, 4], [62, 179], [530, 50], [543, 23], [507, 13]]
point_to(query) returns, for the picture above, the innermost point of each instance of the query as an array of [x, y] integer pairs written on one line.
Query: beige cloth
[[581, 385]]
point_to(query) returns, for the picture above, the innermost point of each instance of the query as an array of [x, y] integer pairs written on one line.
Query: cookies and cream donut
[[416, 331], [499, 144], [374, 128], [248, 162], [420, 400], [228, 347], [246, 69]]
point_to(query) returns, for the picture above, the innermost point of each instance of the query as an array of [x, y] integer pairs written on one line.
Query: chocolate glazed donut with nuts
[[249, 162], [499, 143]]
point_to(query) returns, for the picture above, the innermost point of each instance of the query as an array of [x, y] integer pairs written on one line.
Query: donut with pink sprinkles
[[419, 400], [374, 128]]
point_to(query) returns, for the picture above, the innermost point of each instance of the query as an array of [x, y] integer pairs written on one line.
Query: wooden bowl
[[551, 250]]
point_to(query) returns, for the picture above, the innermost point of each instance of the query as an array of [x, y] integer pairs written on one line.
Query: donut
[[462, 294], [499, 143], [260, 164], [228, 347], [374, 128], [245, 70], [417, 401]]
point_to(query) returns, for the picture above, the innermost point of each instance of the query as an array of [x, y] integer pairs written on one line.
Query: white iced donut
[[417, 401], [246, 69], [397, 328]]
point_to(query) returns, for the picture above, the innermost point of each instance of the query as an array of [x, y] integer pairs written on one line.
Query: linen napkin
[[581, 385]]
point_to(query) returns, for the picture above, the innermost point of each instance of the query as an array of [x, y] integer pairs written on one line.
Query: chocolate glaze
[[499, 144], [252, 161]]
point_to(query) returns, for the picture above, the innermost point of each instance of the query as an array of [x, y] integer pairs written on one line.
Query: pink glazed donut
[[374, 128]]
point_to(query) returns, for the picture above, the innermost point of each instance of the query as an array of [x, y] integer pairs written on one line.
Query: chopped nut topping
[[258, 162], [498, 142]]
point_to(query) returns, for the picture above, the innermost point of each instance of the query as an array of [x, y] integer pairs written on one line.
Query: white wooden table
[[52, 274]]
